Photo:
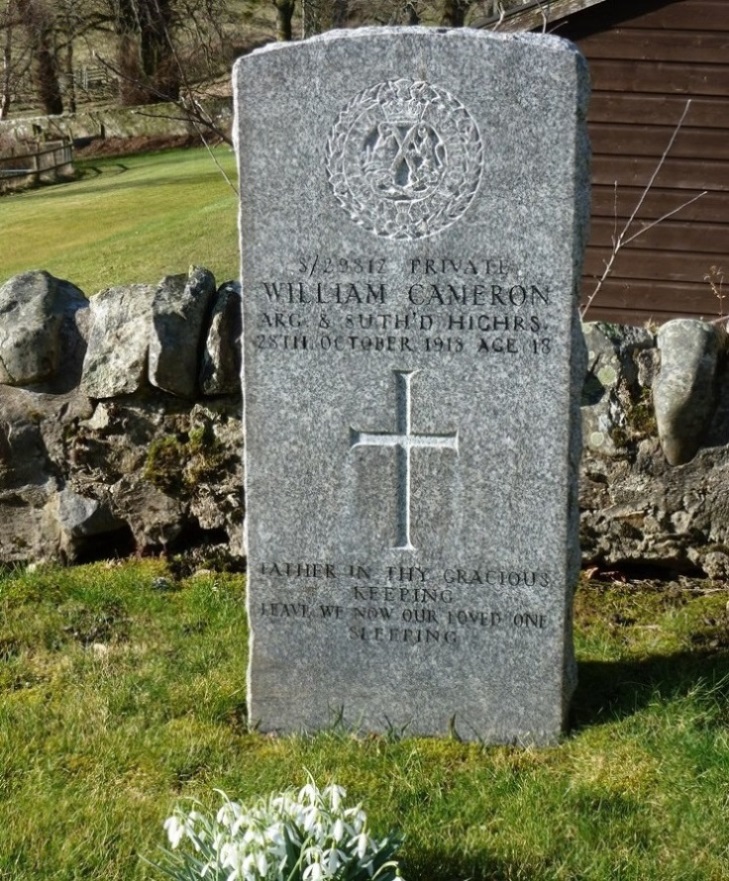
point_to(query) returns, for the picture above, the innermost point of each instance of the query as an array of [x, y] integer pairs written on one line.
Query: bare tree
[[323, 15], [454, 13], [37, 20], [145, 56], [7, 77], [284, 18]]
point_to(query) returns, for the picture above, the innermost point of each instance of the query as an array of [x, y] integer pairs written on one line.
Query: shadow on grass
[[612, 690], [107, 184], [440, 864]]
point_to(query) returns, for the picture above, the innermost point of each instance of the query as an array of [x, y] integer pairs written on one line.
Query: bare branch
[[625, 237], [662, 218]]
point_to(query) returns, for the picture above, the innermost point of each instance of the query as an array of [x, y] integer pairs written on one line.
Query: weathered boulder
[[118, 344], [637, 508], [180, 312], [684, 390], [32, 425], [78, 519], [221, 358], [41, 331], [619, 362]]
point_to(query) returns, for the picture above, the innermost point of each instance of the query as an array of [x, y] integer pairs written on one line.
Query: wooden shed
[[660, 77]]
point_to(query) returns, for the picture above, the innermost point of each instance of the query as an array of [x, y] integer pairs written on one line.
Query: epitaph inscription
[[404, 159], [412, 208]]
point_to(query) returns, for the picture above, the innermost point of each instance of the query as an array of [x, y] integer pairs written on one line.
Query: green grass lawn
[[131, 219], [120, 695]]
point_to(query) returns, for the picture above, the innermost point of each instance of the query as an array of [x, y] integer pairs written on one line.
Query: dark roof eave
[[535, 14]]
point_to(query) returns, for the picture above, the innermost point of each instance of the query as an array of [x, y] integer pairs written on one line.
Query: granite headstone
[[413, 212]]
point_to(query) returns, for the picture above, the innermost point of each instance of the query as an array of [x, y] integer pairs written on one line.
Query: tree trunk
[[454, 13], [323, 15], [413, 17], [339, 13], [46, 77], [158, 58], [70, 27], [5, 85], [284, 14], [70, 78], [38, 24], [148, 68]]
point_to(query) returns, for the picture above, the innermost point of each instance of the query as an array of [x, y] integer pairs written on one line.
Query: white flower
[[309, 792], [336, 794], [334, 861], [338, 830], [313, 872], [361, 845], [262, 865], [314, 838], [175, 831], [312, 819]]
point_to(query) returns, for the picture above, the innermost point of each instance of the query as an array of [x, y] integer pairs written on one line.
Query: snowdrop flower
[[306, 836], [175, 830], [313, 872], [338, 829], [360, 844], [309, 792], [335, 793]]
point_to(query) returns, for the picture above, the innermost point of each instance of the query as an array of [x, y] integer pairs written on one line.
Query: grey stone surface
[[684, 393], [81, 478], [617, 358], [118, 346], [414, 205], [637, 509], [220, 369], [78, 518], [41, 328], [180, 312]]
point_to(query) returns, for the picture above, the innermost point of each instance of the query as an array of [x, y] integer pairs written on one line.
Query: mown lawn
[[130, 219], [121, 694]]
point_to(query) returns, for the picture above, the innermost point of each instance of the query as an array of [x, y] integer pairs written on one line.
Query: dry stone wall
[[120, 428], [116, 122], [655, 464], [119, 418]]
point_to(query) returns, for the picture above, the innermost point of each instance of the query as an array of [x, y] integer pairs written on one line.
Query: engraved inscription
[[404, 159], [411, 604], [480, 304], [404, 440]]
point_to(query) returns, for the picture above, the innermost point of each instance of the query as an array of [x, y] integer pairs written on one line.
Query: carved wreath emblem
[[404, 159]]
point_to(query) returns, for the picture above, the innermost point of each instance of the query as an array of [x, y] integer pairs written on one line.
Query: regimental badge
[[404, 159]]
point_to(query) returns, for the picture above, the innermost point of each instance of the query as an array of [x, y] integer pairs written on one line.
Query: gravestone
[[413, 212]]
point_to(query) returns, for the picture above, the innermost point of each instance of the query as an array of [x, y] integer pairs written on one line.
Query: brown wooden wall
[[644, 67]]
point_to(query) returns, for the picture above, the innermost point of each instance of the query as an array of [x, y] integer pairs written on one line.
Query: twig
[[623, 238], [663, 217], [200, 133], [502, 16], [195, 115], [190, 115]]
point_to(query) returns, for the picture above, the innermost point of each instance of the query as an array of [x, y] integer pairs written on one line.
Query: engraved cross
[[404, 440]]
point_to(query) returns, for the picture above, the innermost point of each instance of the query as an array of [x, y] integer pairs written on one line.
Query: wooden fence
[[91, 79], [45, 162]]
